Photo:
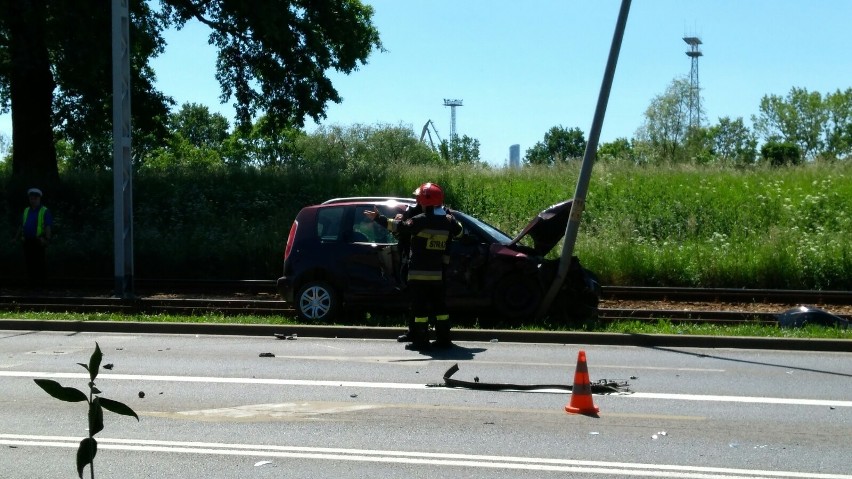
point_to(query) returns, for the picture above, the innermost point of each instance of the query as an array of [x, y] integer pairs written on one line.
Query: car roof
[[369, 199]]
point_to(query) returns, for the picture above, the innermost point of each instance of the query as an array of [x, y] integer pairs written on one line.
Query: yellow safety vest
[[39, 223]]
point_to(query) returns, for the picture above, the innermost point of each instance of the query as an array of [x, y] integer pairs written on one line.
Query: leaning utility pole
[[579, 203]]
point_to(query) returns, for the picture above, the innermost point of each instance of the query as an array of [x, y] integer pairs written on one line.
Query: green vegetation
[[95, 414], [674, 225], [663, 326], [746, 329]]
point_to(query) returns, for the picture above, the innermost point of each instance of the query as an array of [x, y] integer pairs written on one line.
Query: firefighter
[[404, 247], [430, 233]]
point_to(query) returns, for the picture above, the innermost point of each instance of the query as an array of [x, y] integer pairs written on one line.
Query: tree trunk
[[31, 93]]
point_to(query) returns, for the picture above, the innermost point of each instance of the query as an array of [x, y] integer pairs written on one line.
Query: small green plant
[[88, 446]]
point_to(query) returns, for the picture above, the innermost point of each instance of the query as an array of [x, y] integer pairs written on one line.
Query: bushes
[[655, 226], [781, 153]]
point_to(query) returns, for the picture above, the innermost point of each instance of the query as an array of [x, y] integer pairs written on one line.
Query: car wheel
[[317, 301], [516, 297]]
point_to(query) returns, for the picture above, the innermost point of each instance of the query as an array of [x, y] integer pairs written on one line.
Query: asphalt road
[[233, 406]]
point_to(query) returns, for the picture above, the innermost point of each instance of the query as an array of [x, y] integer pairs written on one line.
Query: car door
[[466, 271], [372, 262]]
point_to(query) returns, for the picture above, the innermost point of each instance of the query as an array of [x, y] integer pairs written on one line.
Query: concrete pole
[[579, 203], [121, 165]]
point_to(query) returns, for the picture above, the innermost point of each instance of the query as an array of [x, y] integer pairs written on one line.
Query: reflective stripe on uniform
[[421, 319], [442, 317], [436, 240], [424, 275]]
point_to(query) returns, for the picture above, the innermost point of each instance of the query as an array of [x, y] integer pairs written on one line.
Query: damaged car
[[338, 263]]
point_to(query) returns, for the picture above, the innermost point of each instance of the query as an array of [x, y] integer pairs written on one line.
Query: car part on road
[[804, 315], [603, 386]]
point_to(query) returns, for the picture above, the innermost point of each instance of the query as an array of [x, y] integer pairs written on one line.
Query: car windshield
[[495, 234]]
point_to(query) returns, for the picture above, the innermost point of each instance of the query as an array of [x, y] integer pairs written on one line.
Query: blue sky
[[524, 67]]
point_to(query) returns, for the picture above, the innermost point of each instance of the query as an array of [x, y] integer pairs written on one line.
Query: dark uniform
[[430, 234]]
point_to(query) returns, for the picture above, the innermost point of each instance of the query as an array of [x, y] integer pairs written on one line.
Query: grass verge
[[748, 329]]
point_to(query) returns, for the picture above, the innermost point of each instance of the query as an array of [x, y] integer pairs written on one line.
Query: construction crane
[[429, 132]]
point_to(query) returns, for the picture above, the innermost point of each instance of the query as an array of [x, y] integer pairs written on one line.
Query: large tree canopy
[[560, 144], [56, 72]]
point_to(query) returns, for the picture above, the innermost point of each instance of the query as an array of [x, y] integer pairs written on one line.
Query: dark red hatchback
[[336, 262]]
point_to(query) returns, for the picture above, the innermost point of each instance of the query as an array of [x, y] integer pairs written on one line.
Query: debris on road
[[602, 386], [804, 315]]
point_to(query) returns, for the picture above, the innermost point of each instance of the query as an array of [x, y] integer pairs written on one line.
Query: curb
[[482, 335]]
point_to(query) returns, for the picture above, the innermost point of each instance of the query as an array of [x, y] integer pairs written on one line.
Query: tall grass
[[655, 226]]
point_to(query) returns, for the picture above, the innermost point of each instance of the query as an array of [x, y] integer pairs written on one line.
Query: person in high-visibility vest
[[35, 231], [430, 233]]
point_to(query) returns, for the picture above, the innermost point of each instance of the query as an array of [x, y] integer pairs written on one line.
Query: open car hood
[[547, 228]]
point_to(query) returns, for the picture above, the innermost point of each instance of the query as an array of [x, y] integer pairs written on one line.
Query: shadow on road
[[745, 361]]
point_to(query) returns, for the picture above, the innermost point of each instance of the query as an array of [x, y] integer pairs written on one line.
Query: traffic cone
[[581, 392]]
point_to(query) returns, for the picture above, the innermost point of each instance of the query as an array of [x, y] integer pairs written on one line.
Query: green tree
[[800, 118], [781, 153], [560, 144], [666, 124], [200, 127], [196, 139], [732, 142], [620, 149], [838, 128], [362, 150], [464, 150], [262, 146], [55, 64]]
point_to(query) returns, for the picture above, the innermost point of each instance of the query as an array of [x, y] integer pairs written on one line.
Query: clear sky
[[523, 67]]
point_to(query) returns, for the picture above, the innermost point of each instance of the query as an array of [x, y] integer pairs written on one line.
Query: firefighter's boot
[[442, 333], [419, 335], [407, 336]]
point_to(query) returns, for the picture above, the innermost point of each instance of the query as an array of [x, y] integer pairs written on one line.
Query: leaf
[[117, 407], [95, 362], [86, 454], [96, 417], [94, 389], [61, 392], [86, 366]]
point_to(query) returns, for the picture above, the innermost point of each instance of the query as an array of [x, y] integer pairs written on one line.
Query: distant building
[[515, 156]]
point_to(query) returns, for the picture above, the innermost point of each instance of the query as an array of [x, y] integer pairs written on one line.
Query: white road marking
[[743, 399], [623, 469], [378, 385]]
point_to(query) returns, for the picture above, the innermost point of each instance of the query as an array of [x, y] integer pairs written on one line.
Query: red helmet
[[429, 194]]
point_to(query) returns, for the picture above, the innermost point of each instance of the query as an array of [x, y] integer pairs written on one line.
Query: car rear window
[[328, 223]]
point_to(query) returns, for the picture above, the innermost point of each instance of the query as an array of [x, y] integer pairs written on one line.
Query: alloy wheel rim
[[315, 302]]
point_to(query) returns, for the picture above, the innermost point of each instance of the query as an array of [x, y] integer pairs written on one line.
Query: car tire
[[317, 301], [516, 297]]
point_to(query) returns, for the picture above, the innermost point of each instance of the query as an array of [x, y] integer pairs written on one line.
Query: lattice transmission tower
[[694, 90]]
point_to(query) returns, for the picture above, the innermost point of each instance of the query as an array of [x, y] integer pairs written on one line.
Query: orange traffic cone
[[581, 392]]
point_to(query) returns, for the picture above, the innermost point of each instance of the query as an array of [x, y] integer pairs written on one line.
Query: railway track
[[258, 298]]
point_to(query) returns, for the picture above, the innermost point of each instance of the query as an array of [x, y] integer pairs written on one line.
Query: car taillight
[[290, 237]]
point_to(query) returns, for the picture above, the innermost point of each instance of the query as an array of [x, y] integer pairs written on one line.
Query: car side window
[[365, 230], [328, 223]]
